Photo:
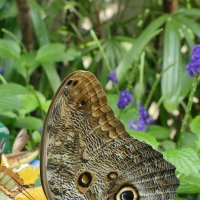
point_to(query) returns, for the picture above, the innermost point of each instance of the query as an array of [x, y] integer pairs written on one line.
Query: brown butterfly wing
[[81, 135]]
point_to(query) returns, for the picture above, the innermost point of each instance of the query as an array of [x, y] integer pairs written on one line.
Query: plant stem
[[101, 49], [151, 93], [188, 109], [3, 80]]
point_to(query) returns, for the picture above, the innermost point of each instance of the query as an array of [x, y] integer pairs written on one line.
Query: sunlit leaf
[[186, 161], [30, 123], [171, 78], [145, 138], [9, 49]]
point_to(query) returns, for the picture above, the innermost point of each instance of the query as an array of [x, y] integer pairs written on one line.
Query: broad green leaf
[[185, 160], [159, 132], [190, 140], [52, 75], [145, 138], [9, 49], [15, 97], [167, 145], [26, 65], [71, 54], [195, 126], [45, 106], [139, 44], [51, 52], [171, 78], [30, 123], [8, 9], [189, 184], [36, 135], [37, 17]]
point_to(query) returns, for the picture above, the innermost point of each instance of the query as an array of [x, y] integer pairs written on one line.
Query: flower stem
[[98, 43], [3, 80], [151, 93], [188, 109]]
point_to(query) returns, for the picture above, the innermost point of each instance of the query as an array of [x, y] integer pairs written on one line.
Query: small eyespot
[[112, 176], [82, 103], [69, 82], [85, 179], [127, 193], [74, 83]]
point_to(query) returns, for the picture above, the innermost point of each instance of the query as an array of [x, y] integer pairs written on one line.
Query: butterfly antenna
[[26, 192]]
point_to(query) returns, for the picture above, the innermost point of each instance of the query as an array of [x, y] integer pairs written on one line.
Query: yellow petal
[[29, 174], [36, 193]]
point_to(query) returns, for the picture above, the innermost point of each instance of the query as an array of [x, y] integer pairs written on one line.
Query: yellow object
[[36, 193], [29, 174]]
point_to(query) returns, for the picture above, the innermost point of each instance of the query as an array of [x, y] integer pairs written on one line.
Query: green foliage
[[146, 46]]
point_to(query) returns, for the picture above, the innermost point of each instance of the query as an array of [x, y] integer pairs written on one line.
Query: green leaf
[[15, 97], [195, 126], [189, 184], [70, 5], [171, 78], [37, 17], [168, 145], [159, 132], [52, 75], [8, 9], [9, 49], [186, 161], [71, 54], [139, 44], [36, 136], [191, 12], [189, 23], [145, 138], [30, 123], [51, 53]]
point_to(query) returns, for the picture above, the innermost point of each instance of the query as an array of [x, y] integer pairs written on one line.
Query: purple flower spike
[[196, 52], [143, 120], [113, 77], [1, 70], [193, 67], [133, 125], [124, 99]]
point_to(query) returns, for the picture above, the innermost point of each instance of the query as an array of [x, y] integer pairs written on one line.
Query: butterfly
[[86, 153]]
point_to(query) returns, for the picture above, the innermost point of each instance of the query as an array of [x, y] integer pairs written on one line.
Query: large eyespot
[[85, 179], [127, 193]]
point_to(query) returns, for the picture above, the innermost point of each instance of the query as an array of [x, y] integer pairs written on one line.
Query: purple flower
[[143, 120], [193, 67], [112, 76], [1, 70], [124, 99]]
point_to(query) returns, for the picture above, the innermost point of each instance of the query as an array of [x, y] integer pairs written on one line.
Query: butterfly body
[[88, 155]]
